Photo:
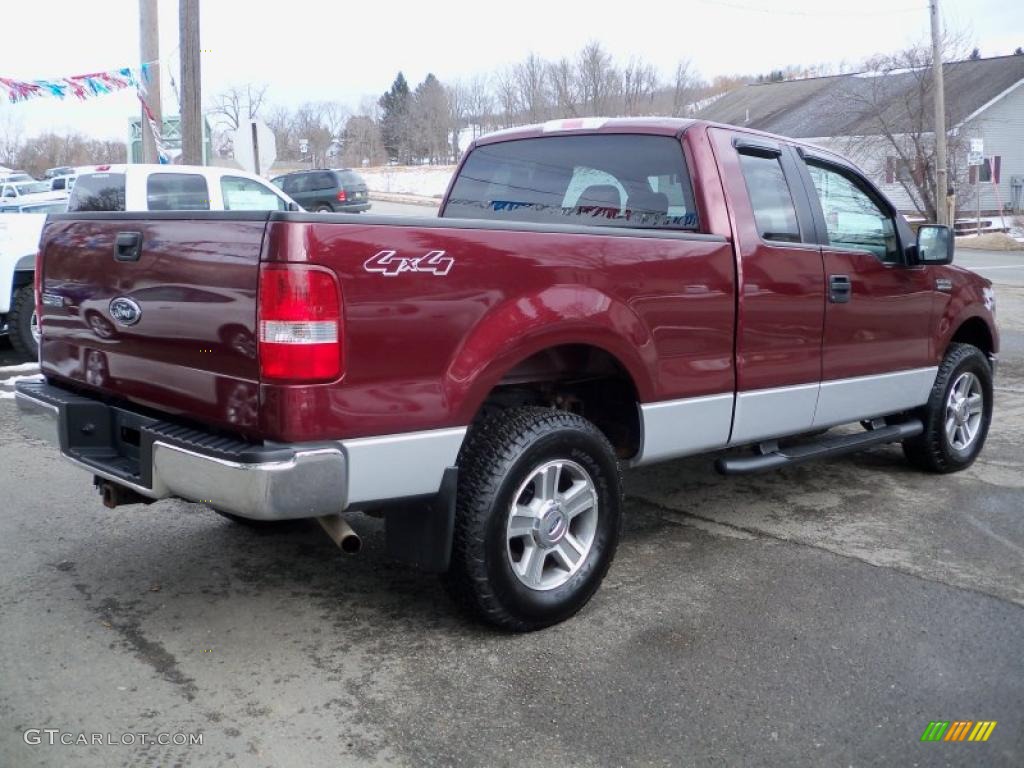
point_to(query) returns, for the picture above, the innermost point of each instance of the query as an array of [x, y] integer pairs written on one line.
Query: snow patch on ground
[[19, 367], [422, 180], [15, 379]]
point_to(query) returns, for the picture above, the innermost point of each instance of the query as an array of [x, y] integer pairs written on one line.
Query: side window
[[58, 184], [323, 181], [177, 192], [853, 220], [608, 180], [248, 195], [774, 212]]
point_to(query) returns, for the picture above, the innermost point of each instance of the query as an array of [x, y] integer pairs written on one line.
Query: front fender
[[522, 326], [972, 297]]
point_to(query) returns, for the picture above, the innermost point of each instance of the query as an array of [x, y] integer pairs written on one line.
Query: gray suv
[[326, 190]]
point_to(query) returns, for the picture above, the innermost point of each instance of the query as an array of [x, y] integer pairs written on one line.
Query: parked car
[[112, 188], [28, 191], [44, 207], [13, 176], [326, 191], [63, 183], [64, 170], [595, 294]]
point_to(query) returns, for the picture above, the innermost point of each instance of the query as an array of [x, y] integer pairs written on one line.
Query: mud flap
[[420, 534]]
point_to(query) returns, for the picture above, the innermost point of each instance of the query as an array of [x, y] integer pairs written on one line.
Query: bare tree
[[238, 103], [685, 86], [639, 84], [896, 136], [564, 87], [506, 92], [599, 82], [479, 103], [11, 138], [532, 85]]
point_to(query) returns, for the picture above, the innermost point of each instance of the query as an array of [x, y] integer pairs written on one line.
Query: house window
[[987, 172]]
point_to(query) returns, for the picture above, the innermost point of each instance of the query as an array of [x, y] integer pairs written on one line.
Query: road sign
[[978, 145], [303, 146], [254, 141], [975, 158]]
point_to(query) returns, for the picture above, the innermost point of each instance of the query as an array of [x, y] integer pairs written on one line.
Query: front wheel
[[538, 515], [957, 415]]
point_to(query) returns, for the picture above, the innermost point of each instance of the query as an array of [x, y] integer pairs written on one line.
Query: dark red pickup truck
[[595, 294]]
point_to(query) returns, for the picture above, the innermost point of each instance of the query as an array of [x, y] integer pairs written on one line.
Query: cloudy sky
[[330, 50]]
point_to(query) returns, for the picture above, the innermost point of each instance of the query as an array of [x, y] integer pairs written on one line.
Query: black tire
[[933, 450], [19, 323], [500, 455], [324, 209]]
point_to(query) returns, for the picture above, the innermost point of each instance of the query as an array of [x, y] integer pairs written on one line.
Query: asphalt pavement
[[821, 615]]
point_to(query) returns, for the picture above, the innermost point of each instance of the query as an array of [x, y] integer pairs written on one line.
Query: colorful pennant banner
[[87, 86], [80, 86]]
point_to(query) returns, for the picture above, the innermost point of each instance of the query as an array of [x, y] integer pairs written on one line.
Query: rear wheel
[[22, 323], [538, 515], [324, 209], [957, 415]]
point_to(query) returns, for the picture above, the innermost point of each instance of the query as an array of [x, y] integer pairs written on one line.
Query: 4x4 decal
[[389, 264]]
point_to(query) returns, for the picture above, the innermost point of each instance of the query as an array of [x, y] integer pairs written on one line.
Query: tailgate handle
[[128, 246]]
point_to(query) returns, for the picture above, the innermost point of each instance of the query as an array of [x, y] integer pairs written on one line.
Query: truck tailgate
[[168, 324]]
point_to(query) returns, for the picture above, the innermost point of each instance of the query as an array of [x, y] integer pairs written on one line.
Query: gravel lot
[[822, 615]]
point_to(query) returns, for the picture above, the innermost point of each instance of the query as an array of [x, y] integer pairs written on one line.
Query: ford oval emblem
[[125, 311]]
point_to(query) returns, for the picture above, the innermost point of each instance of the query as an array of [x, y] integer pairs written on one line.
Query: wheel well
[[974, 331], [579, 378]]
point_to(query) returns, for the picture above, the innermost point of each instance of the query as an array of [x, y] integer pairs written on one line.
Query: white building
[[883, 121]]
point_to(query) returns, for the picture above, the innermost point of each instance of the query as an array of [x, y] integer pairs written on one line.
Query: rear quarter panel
[[423, 350]]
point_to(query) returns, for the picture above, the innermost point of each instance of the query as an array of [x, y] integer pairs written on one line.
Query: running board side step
[[825, 448]]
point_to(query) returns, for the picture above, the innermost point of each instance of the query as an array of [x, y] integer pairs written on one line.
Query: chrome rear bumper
[[272, 482]]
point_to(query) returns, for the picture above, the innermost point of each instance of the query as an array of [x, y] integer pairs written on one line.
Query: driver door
[[877, 355]]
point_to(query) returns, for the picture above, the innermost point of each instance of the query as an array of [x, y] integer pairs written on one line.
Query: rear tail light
[[341, 196], [299, 316]]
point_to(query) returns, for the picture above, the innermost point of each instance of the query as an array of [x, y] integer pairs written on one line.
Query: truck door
[[877, 355], [781, 294]]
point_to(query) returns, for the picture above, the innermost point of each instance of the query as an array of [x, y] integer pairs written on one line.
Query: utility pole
[[149, 50], [191, 96], [942, 212]]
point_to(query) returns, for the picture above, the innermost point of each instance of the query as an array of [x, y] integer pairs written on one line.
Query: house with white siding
[[883, 121]]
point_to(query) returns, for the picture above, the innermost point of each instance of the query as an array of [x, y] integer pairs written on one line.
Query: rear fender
[[519, 328]]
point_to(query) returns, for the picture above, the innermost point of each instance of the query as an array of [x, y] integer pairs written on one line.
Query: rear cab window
[[98, 192], [610, 180], [177, 192]]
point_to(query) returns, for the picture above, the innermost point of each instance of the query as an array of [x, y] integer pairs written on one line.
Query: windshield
[[32, 187]]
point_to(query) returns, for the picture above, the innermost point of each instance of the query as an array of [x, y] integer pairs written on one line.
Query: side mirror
[[293, 206], [934, 245]]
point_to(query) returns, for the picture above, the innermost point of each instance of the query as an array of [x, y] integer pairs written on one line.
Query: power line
[[809, 14]]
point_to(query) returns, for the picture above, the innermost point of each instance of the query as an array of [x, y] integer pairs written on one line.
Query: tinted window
[[59, 183], [853, 220], [177, 192], [98, 192], [323, 180], [611, 180], [774, 212], [350, 179], [248, 195]]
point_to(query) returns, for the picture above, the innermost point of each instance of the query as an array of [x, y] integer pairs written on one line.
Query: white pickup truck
[[119, 188]]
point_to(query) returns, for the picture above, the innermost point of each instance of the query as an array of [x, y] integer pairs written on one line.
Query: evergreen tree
[[394, 121]]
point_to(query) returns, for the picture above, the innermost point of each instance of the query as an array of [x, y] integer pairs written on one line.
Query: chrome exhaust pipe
[[341, 533]]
